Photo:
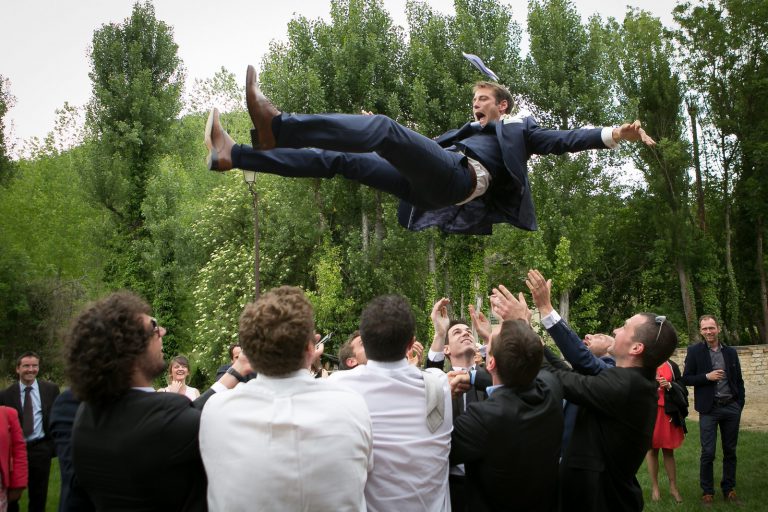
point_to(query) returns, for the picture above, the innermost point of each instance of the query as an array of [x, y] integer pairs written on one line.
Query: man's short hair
[[709, 317], [346, 351], [387, 327], [274, 331], [659, 338], [500, 92], [28, 353], [232, 350], [103, 344], [518, 353]]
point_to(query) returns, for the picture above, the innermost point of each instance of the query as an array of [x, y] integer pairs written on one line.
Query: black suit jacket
[[698, 363], [611, 435], [72, 497], [141, 452], [11, 397], [509, 196], [510, 447]]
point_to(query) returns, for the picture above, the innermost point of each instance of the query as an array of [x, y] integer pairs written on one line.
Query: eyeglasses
[[155, 326], [659, 320]]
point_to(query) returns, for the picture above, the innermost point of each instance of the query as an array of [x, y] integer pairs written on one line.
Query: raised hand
[[414, 356], [507, 307], [439, 316], [481, 324], [541, 290]]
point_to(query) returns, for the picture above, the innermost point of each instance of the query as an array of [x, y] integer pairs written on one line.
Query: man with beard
[[133, 449]]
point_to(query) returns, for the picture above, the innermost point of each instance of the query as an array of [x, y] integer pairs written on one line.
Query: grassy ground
[[752, 453], [751, 473]]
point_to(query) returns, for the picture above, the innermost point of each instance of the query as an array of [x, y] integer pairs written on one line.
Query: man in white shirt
[[410, 412], [285, 441]]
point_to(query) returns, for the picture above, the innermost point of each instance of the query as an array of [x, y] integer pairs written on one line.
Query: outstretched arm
[[573, 349]]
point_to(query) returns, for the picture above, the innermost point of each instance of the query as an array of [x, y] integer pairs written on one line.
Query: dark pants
[[458, 488], [373, 150], [727, 417], [39, 457]]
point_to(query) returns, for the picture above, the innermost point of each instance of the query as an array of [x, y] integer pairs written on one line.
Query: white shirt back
[[410, 470], [292, 443]]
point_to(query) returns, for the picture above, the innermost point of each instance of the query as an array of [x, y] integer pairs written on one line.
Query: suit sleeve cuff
[[551, 319], [435, 356], [607, 136]]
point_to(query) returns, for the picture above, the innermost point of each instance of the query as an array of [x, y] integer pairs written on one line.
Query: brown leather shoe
[[219, 144], [707, 500], [732, 498], [261, 111]]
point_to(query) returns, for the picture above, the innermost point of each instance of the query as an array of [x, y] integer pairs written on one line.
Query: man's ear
[[637, 349], [504, 106], [351, 362], [490, 363]]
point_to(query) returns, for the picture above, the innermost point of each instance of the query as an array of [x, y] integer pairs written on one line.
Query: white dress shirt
[[291, 443], [411, 463]]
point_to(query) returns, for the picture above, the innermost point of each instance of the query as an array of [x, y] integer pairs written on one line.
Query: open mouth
[[479, 116]]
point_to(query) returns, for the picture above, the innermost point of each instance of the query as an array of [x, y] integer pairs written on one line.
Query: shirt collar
[[491, 389], [34, 386], [389, 365]]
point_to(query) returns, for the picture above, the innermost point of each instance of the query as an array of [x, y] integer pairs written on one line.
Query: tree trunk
[[700, 213], [379, 229], [256, 254], [732, 307], [564, 307], [688, 305], [431, 257], [763, 286], [319, 204], [365, 230]]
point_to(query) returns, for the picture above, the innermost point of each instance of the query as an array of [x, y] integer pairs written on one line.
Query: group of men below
[[383, 436]]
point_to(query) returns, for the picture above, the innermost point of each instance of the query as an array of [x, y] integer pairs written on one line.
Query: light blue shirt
[[37, 410], [491, 389]]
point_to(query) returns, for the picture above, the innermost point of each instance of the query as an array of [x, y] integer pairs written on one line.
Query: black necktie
[[27, 417]]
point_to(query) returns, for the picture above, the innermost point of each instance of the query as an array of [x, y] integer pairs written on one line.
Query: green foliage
[[6, 102], [131, 205]]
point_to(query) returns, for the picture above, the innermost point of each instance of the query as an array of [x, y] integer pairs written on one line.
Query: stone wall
[[754, 369]]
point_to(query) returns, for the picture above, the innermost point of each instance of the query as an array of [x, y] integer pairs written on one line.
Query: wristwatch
[[236, 374]]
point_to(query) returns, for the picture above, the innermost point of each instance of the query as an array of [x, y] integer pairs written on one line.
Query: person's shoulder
[[48, 385], [343, 375]]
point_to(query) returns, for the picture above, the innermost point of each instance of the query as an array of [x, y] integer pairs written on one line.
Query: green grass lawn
[[751, 476], [751, 473]]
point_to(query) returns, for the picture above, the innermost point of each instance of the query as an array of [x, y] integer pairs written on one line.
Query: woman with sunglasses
[[667, 435]]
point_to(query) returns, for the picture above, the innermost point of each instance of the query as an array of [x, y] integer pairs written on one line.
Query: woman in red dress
[[666, 436]]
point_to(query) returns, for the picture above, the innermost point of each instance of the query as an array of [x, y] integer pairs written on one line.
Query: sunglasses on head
[[660, 320]]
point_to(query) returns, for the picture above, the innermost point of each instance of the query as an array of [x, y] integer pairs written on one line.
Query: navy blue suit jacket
[[698, 363], [509, 197]]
